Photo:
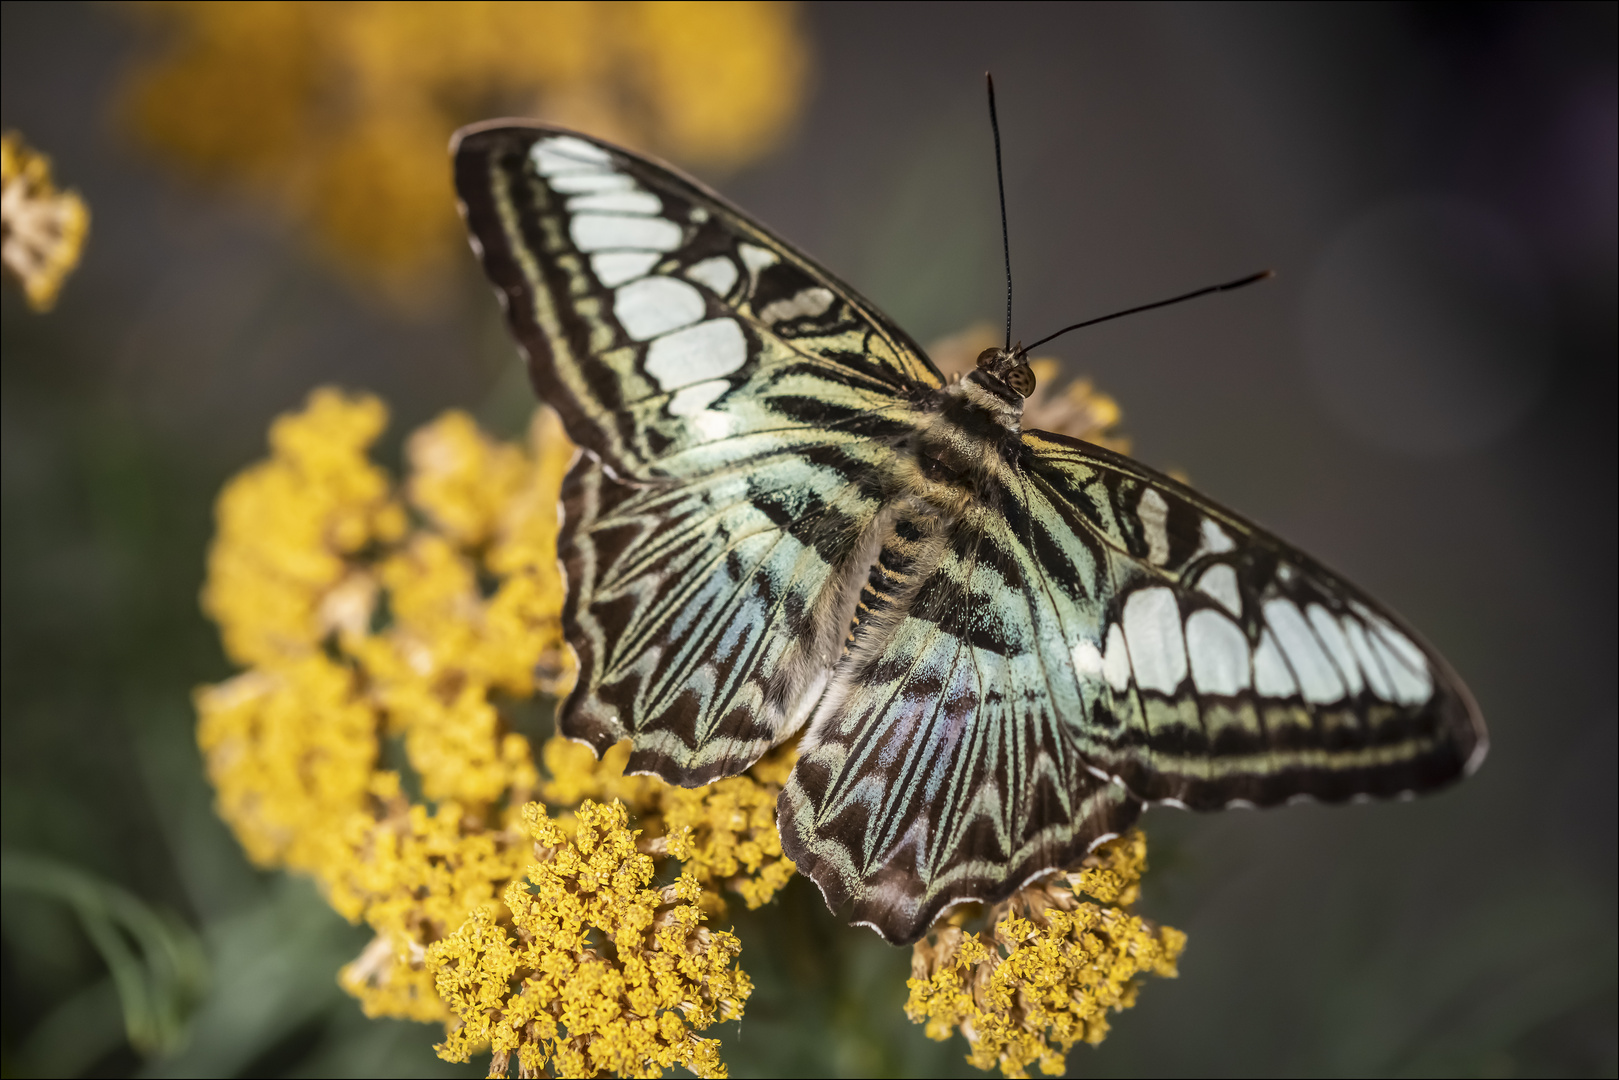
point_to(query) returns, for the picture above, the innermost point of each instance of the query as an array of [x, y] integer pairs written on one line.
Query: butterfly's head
[[1009, 366]]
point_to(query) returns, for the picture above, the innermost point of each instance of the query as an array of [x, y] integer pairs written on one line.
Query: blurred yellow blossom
[[290, 752], [340, 111], [281, 572], [1048, 971], [602, 973], [725, 832], [42, 230]]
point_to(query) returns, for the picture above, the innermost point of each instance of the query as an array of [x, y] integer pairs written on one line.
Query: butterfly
[[998, 644]]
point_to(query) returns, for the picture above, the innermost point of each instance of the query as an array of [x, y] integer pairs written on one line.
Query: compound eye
[[988, 357], [1021, 380]]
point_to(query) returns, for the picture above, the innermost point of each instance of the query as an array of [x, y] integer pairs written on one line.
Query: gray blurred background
[[1424, 398]]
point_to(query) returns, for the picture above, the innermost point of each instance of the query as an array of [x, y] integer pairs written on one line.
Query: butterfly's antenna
[[1227, 287], [1000, 184]]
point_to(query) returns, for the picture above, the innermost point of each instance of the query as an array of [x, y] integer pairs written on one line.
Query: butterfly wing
[[941, 767], [1093, 637], [738, 406], [1229, 668]]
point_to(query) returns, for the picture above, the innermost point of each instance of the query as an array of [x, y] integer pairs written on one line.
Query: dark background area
[[1424, 398]]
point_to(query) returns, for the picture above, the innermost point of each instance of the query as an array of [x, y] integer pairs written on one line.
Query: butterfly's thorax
[[967, 442], [966, 446]]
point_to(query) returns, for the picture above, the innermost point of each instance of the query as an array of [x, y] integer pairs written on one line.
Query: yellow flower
[[363, 617], [290, 753], [340, 111], [1049, 971], [576, 774], [44, 229], [282, 573], [414, 876], [724, 833], [358, 627], [601, 973]]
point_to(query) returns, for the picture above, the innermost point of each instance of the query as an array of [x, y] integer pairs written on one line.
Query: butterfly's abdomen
[[901, 564]]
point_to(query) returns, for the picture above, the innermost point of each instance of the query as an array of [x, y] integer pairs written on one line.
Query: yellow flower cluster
[[365, 616], [724, 833], [611, 976], [340, 111], [43, 228], [1049, 971], [413, 876]]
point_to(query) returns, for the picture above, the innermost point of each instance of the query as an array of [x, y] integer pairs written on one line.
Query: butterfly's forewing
[[644, 301], [736, 404], [1231, 668], [1098, 634]]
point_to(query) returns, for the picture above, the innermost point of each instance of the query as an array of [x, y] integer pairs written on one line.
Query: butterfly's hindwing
[[739, 408], [940, 767], [1094, 636], [705, 615]]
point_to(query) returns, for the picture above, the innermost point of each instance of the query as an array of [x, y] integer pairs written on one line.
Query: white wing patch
[[1220, 582], [1371, 667], [584, 182], [1116, 664], [1087, 660], [1219, 653], [697, 354], [696, 398], [617, 202], [1309, 653], [1272, 676], [810, 302], [1332, 636], [756, 258], [1402, 661], [1154, 514], [1318, 679], [567, 154], [654, 306], [1215, 539], [717, 273], [616, 267], [1152, 626], [607, 232]]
